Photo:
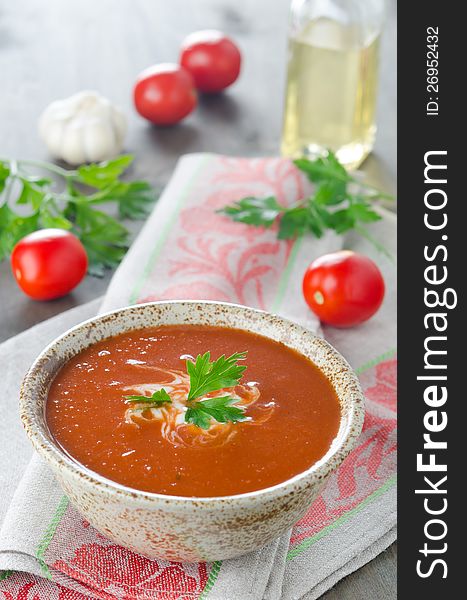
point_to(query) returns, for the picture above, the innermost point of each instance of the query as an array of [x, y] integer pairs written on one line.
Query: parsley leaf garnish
[[75, 205], [335, 204], [220, 409], [157, 399], [261, 212], [206, 376]]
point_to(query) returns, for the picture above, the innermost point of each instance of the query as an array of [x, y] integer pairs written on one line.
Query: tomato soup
[[291, 413]]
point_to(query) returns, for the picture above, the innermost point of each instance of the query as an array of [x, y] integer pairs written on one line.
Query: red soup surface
[[291, 408]]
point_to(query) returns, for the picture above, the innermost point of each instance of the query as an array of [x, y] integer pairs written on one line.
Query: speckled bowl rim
[[49, 450]]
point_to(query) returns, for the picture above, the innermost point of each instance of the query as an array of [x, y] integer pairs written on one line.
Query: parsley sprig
[[339, 202], [156, 400], [220, 409], [69, 199], [205, 377]]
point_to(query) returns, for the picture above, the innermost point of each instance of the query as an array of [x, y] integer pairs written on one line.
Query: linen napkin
[[186, 250]]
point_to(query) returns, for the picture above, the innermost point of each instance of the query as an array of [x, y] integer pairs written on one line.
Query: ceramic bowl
[[174, 527]]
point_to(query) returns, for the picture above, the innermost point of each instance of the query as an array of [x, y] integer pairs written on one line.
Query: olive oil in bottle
[[331, 91]]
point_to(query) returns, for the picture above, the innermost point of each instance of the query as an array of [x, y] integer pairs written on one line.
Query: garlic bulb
[[85, 127]]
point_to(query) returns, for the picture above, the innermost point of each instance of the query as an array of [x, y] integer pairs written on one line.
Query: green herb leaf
[[51, 216], [100, 175], [220, 409], [294, 222], [74, 207], [135, 199], [13, 227], [30, 194], [254, 211], [362, 210], [104, 238], [331, 206], [206, 376], [198, 417], [7, 217], [330, 193], [158, 399], [323, 169], [4, 174], [342, 220]]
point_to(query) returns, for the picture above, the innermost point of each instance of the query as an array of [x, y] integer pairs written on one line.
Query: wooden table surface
[[51, 49]]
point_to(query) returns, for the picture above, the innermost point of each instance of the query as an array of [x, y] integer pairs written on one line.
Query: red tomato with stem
[[343, 288], [49, 263], [164, 94], [212, 58]]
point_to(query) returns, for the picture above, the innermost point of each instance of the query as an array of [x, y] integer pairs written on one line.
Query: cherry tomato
[[164, 94], [212, 58], [49, 263], [343, 288]]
